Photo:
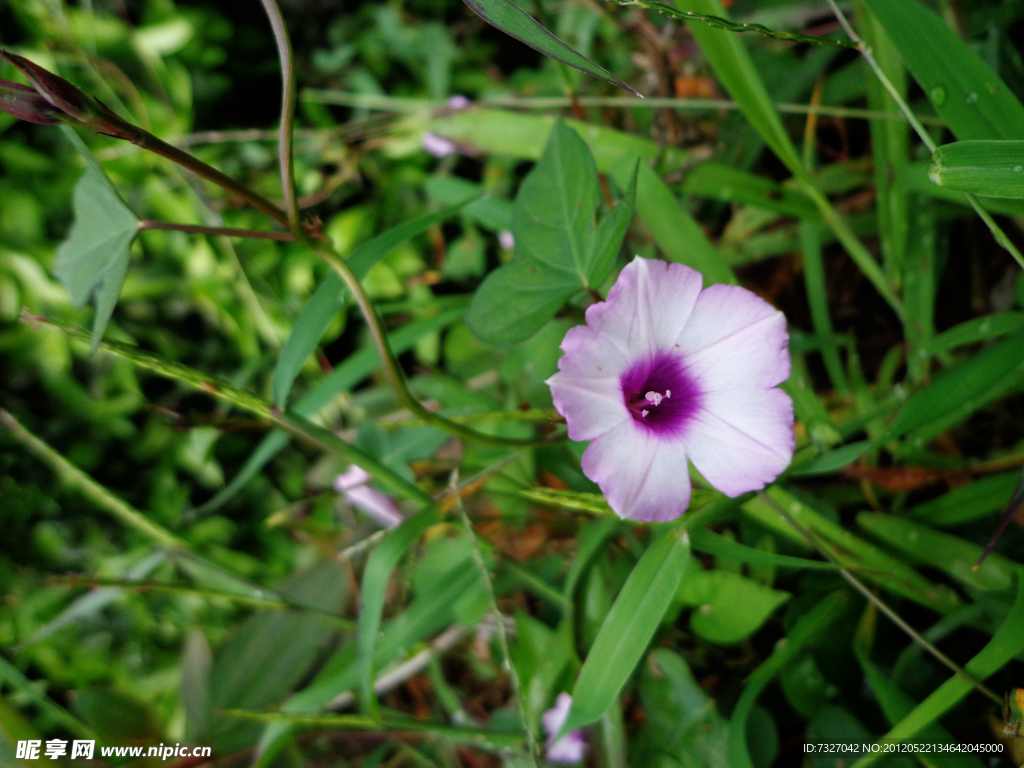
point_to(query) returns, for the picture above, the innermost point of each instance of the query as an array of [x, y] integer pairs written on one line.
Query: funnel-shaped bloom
[[571, 748], [354, 484], [664, 372]]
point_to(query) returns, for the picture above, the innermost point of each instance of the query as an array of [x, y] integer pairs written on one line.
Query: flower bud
[[25, 104], [56, 90]]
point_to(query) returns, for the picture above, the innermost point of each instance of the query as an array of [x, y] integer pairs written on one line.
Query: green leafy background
[[176, 568]]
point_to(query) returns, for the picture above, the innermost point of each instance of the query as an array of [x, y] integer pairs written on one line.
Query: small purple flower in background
[[438, 146], [458, 102], [507, 240], [354, 484], [664, 372], [569, 749]]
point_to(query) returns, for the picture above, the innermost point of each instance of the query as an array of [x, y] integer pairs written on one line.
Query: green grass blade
[[1006, 643], [817, 297], [866, 560], [890, 147], [809, 627], [921, 544], [920, 286], [329, 299], [967, 94], [959, 392], [356, 368], [984, 168], [628, 629], [735, 69], [514, 21], [705, 540], [375, 581]]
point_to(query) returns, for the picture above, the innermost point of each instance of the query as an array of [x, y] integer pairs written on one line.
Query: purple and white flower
[[571, 748], [458, 101], [354, 484], [438, 146], [664, 372]]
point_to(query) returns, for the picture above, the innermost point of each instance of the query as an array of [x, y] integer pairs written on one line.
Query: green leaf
[[375, 581], [974, 330], [329, 299], [968, 502], [954, 556], [809, 627], [706, 540], [271, 651], [986, 168], [960, 391], [674, 229], [356, 368], [682, 725], [623, 638], [967, 94], [1007, 642], [559, 251], [514, 21], [728, 607], [94, 258]]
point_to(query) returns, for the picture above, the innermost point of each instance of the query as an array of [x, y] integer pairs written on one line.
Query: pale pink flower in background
[[506, 240], [436, 145], [663, 372], [354, 484], [458, 102], [569, 749]]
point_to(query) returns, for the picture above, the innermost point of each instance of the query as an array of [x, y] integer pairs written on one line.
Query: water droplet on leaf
[[971, 98], [937, 95]]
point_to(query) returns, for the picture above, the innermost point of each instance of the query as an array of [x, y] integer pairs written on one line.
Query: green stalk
[[291, 422], [288, 97]]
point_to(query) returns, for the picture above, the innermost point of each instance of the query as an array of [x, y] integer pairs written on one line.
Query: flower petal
[[643, 477], [735, 340], [647, 308], [740, 440], [586, 390]]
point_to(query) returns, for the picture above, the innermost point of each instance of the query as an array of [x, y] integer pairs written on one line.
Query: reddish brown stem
[[197, 229]]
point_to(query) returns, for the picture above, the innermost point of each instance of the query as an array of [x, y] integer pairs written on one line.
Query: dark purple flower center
[[660, 394]]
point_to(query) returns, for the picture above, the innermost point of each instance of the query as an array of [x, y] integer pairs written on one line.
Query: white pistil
[[668, 393], [654, 398]]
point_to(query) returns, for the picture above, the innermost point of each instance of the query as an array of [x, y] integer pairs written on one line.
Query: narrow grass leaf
[[329, 298], [514, 21], [809, 627], [960, 391], [356, 368], [985, 168], [957, 558], [976, 330], [705, 540], [1006, 643], [849, 550], [972, 99], [375, 581], [970, 502], [629, 627]]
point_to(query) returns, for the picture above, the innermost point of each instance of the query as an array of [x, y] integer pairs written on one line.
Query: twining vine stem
[[288, 99]]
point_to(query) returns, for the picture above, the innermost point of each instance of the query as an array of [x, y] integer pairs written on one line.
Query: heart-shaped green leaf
[[94, 258], [559, 248]]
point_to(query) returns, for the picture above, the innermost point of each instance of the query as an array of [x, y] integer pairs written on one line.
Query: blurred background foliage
[[86, 652]]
